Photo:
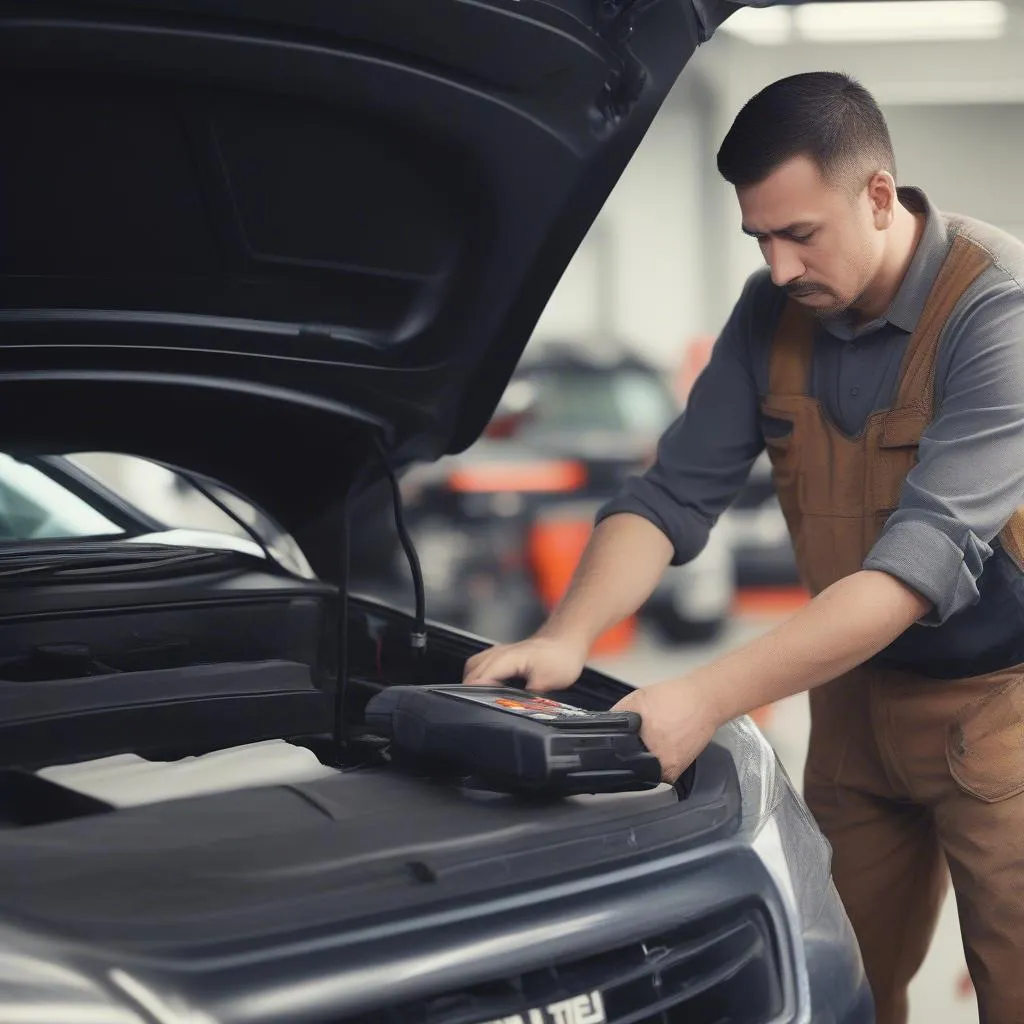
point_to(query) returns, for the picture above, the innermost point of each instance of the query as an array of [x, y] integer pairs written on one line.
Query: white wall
[[968, 157], [638, 275]]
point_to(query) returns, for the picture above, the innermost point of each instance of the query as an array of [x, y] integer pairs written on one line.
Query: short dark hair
[[823, 115]]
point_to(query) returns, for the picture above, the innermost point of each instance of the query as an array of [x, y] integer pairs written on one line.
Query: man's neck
[[901, 244]]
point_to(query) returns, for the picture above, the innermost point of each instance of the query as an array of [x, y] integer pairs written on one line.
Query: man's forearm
[[619, 570], [841, 628]]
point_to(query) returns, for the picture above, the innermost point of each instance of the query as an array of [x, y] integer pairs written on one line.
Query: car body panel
[[396, 275]]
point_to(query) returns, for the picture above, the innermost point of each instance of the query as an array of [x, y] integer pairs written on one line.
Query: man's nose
[[785, 263]]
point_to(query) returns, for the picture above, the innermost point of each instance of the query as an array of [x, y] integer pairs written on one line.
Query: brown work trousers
[[905, 774]]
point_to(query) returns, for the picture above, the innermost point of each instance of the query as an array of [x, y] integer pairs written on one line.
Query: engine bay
[[115, 695], [154, 775]]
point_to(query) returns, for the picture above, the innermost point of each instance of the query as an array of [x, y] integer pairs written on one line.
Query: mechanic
[[880, 358]]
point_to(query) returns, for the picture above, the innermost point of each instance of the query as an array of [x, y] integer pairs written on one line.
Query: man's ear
[[883, 199]]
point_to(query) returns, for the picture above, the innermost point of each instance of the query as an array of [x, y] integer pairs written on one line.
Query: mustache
[[799, 288]]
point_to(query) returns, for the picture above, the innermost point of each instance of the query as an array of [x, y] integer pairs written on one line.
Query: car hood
[[243, 237]]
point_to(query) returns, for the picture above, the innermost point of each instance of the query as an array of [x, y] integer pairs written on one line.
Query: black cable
[[341, 687], [418, 638]]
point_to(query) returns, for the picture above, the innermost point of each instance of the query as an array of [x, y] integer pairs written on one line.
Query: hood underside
[[238, 237]]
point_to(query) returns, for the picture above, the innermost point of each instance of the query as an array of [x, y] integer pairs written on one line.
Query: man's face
[[819, 239]]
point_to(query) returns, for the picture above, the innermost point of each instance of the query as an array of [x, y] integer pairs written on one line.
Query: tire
[[683, 631]]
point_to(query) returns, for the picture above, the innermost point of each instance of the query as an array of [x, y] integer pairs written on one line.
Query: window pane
[[34, 507]]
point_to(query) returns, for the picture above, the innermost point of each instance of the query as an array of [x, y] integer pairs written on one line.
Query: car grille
[[718, 969]]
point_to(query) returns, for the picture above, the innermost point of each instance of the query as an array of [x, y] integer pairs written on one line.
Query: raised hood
[[235, 235]]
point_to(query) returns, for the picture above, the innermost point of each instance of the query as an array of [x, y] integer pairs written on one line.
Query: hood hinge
[[613, 22]]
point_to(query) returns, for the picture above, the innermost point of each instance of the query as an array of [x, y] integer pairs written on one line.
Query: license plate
[[586, 1009]]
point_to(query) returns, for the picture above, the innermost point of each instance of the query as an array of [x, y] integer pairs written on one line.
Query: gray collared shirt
[[970, 474]]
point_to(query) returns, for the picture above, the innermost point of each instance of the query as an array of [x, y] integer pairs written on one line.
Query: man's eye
[[802, 239]]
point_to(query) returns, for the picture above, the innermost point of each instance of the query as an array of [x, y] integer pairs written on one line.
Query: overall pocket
[[778, 430], [985, 744], [895, 456]]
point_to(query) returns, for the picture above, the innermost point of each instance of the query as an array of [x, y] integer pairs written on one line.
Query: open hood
[[239, 236]]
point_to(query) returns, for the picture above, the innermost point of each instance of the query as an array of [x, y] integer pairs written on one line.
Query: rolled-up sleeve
[[969, 478], [705, 456]]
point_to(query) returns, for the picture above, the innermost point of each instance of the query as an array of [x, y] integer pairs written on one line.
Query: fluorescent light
[[900, 20], [767, 26], [873, 21]]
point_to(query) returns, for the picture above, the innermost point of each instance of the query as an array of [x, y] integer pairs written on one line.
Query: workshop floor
[[938, 993]]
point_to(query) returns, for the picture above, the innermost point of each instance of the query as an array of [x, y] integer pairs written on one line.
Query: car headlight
[[779, 827], [34, 989], [38, 987]]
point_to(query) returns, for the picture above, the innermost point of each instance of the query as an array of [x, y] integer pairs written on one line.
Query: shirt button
[[854, 392]]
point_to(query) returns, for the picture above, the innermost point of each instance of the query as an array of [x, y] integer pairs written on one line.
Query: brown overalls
[[905, 774]]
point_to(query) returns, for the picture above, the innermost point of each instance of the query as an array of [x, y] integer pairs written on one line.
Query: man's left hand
[[677, 723]]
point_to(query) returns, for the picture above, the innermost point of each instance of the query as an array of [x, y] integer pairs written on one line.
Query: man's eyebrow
[[801, 227]]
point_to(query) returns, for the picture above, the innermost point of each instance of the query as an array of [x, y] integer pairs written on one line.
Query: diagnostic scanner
[[515, 741]]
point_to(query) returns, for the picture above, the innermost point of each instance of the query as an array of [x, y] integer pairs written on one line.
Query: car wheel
[[680, 631]]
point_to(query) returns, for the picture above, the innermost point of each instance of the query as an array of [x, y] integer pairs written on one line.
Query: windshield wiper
[[108, 563]]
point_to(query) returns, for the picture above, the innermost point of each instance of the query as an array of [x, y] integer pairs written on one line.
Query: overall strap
[[964, 263], [789, 368]]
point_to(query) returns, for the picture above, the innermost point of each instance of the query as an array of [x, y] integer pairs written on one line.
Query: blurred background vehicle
[[607, 406], [500, 528]]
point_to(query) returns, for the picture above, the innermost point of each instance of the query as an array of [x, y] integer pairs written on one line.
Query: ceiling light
[[871, 21], [767, 26], [900, 20]]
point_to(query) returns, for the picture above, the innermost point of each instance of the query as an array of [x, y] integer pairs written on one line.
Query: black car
[[293, 248], [608, 408], [569, 430]]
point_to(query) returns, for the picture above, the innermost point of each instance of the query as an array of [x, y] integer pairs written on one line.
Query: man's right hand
[[546, 663]]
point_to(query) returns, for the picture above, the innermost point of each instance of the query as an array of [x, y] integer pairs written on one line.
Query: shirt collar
[[908, 304], [906, 308]]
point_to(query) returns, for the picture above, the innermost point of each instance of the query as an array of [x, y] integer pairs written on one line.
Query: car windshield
[[629, 401], [110, 496], [34, 506], [185, 514]]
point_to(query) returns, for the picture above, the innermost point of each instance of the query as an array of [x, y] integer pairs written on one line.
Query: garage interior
[[657, 275]]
